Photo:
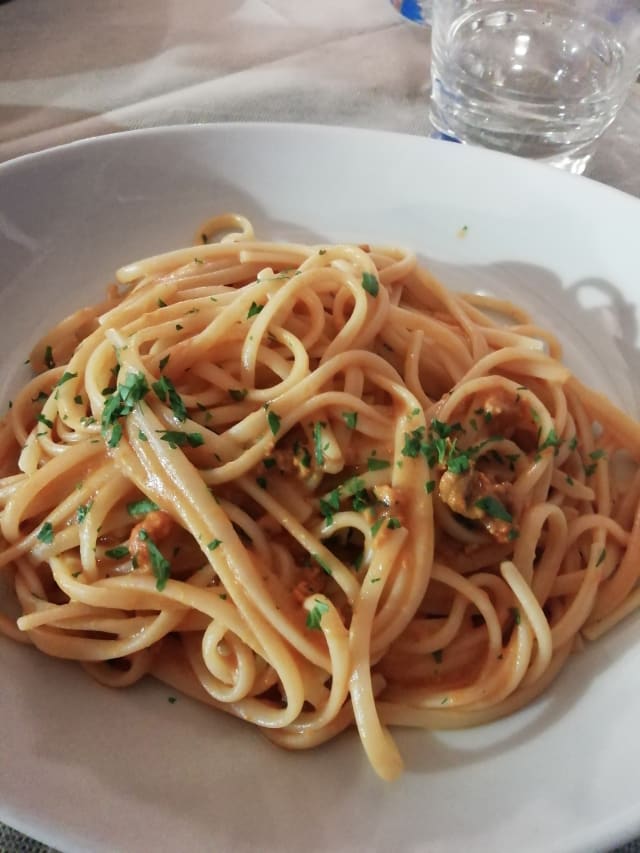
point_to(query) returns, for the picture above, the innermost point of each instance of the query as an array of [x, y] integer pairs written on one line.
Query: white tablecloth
[[76, 68]]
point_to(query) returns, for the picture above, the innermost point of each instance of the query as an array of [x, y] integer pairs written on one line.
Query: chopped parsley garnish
[[317, 441], [569, 480], [164, 388], [351, 419], [142, 507], [171, 700], [160, 566], [430, 486], [602, 557], [515, 612], [181, 439], [161, 303], [45, 534], [535, 415], [322, 252], [254, 309], [437, 655], [374, 464], [274, 422], [412, 442], [117, 553], [122, 403], [238, 394], [142, 436], [48, 358], [376, 527], [573, 443], [41, 397], [552, 440], [164, 361], [589, 470], [269, 462], [394, 523], [204, 238], [66, 376], [262, 482], [597, 454], [323, 565], [116, 435], [215, 543], [513, 534], [314, 616], [179, 327], [330, 505], [41, 419], [370, 283], [494, 508], [82, 511]]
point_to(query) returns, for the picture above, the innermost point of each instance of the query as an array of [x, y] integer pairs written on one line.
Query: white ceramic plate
[[87, 768]]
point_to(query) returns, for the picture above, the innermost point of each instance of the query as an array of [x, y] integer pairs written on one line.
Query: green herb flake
[[142, 436], [413, 442], [374, 464], [370, 283], [513, 534], [82, 511], [238, 394], [117, 553], [45, 534], [215, 543], [493, 508], [164, 361], [262, 482], [515, 612], [351, 419], [552, 440], [323, 565], [160, 566], [41, 419], [181, 439], [602, 557], [142, 507], [573, 443], [161, 303], [179, 327], [171, 700], [269, 462], [165, 389], [597, 454], [254, 309], [430, 486], [376, 527], [437, 655], [314, 616], [317, 441], [274, 422], [569, 480], [116, 435], [66, 376], [40, 397], [394, 523], [48, 358]]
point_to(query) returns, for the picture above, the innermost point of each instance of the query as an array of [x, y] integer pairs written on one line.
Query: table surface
[[74, 69]]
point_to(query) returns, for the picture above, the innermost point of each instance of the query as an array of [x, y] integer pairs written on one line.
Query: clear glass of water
[[538, 79]]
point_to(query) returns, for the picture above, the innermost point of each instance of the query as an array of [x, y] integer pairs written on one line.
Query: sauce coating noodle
[[311, 487]]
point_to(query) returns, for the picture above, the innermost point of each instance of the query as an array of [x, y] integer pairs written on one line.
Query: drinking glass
[[539, 79]]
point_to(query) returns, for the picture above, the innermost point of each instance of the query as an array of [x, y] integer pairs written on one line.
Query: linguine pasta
[[309, 486]]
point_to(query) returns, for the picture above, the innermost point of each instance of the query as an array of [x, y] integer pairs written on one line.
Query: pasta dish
[[311, 487]]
